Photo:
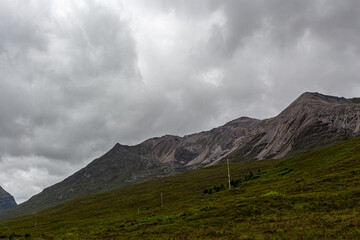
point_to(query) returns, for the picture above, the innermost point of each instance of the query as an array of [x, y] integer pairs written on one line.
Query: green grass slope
[[312, 196]]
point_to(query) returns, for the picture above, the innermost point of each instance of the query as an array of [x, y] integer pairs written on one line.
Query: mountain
[[6, 200], [311, 121]]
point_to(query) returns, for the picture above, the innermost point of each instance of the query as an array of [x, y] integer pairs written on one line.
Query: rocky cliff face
[[6, 200], [311, 121]]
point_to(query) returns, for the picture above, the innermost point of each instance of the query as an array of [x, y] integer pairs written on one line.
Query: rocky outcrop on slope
[[6, 200], [311, 121], [203, 148]]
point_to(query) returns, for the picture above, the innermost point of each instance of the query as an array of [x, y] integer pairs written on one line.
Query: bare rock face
[[311, 121], [6, 200]]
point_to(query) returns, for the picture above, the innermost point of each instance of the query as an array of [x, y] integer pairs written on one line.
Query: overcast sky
[[78, 76]]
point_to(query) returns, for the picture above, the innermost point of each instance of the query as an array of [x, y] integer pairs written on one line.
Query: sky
[[76, 77]]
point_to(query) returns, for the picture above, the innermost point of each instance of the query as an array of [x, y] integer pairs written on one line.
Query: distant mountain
[[6, 200], [311, 121]]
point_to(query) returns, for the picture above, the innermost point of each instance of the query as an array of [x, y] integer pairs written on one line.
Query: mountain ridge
[[312, 120]]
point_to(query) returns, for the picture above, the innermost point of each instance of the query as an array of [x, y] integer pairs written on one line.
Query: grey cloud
[[20, 30], [332, 21], [330, 24]]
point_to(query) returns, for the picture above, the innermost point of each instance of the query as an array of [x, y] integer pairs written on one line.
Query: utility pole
[[162, 203], [228, 172]]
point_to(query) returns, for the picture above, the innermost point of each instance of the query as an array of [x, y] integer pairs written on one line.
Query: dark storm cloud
[[278, 49], [78, 77]]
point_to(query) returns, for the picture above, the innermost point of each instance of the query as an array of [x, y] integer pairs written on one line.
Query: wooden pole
[[228, 167], [162, 203]]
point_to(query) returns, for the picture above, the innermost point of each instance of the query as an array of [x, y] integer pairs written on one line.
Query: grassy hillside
[[312, 196]]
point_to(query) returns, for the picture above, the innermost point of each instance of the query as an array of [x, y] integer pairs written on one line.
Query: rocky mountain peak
[[311, 121], [6, 200], [318, 98], [309, 103]]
